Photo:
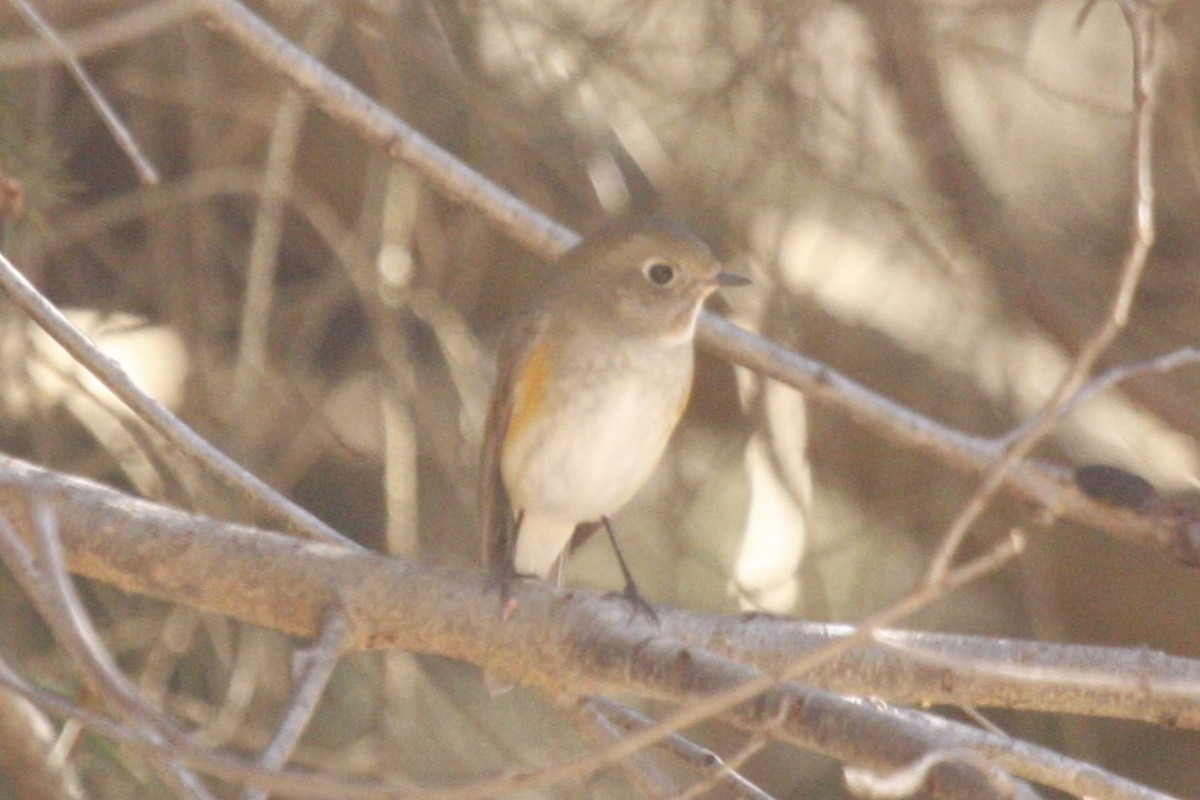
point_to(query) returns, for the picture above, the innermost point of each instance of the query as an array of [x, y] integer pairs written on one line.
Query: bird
[[590, 384]]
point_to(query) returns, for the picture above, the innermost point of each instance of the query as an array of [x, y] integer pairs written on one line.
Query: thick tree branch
[[559, 641], [569, 644]]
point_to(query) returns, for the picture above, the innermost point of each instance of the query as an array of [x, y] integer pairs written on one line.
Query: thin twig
[[1140, 17], [641, 772], [719, 772], [911, 778], [134, 25], [195, 188], [155, 414], [376, 124], [252, 357], [1034, 762], [145, 170], [45, 579], [178, 747], [315, 667], [1176, 359]]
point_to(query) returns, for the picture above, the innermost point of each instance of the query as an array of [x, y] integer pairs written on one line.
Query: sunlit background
[[932, 198]]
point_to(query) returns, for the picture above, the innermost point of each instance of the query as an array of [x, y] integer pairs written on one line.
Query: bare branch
[[1038, 763], [45, 580], [154, 413], [1141, 19], [145, 170], [314, 667], [252, 358], [376, 124], [1176, 359], [720, 773], [112, 31], [642, 773], [279, 583], [285, 584]]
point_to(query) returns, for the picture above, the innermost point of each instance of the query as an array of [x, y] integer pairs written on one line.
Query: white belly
[[590, 457]]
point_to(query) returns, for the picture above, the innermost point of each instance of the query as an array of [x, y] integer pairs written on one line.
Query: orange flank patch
[[681, 407], [530, 389]]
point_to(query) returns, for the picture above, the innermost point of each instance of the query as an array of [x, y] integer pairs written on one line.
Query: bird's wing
[[496, 512]]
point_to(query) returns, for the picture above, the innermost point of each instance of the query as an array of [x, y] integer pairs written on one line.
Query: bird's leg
[[630, 592], [508, 571], [560, 570]]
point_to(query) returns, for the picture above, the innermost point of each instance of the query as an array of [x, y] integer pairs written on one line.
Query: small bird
[[589, 387]]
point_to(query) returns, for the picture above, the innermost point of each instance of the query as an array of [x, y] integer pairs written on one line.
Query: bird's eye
[[660, 274]]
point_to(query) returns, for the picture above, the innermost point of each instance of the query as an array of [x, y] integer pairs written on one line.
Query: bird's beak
[[727, 278]]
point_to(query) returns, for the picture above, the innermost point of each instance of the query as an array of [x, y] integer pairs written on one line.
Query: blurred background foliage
[[933, 198]]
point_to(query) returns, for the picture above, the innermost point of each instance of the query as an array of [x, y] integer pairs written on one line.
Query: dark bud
[[1115, 486]]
